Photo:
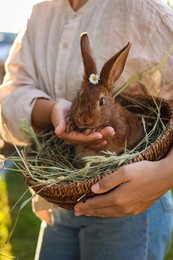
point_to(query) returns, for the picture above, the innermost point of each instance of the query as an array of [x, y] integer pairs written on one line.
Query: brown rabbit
[[94, 107]]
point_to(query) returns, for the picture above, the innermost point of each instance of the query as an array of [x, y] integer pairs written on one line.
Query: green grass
[[24, 238], [170, 252], [23, 241], [5, 248]]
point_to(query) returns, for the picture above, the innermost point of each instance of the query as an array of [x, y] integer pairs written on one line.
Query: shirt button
[[65, 45], [73, 16]]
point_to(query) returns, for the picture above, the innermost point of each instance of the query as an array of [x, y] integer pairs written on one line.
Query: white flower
[[94, 78]]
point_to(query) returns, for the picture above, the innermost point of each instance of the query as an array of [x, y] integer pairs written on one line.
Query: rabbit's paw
[[89, 131], [70, 126]]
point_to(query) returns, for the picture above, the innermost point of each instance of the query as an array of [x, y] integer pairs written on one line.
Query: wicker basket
[[66, 196]]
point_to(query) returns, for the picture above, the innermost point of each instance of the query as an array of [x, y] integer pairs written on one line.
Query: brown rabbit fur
[[94, 107]]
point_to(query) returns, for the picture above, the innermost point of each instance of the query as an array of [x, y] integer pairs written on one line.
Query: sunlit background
[[13, 13], [13, 17]]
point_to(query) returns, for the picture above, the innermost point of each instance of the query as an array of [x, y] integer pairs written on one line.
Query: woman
[[44, 70]]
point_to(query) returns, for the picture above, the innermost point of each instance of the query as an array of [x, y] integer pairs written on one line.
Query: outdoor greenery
[[23, 239], [23, 224], [5, 249]]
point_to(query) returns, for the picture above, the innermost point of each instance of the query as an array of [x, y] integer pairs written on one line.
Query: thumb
[[108, 182], [58, 120], [60, 128], [59, 114]]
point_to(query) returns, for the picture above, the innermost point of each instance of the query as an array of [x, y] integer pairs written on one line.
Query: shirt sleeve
[[20, 89], [161, 44]]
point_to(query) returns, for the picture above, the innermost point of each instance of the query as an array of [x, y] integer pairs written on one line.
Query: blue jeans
[[142, 237]]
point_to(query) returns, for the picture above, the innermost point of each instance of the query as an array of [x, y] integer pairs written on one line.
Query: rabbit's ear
[[113, 68], [90, 66]]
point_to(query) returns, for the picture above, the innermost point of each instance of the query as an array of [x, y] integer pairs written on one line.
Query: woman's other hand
[[130, 190]]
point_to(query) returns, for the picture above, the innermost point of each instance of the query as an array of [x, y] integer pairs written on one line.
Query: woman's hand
[[42, 208], [128, 191], [45, 215], [60, 114]]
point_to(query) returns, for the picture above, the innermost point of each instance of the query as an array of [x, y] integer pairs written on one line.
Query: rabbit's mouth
[[80, 130]]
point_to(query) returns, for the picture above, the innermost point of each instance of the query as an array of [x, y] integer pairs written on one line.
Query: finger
[[58, 120], [101, 201], [76, 137], [59, 114], [114, 210], [60, 128], [103, 212], [79, 138], [107, 132], [109, 182]]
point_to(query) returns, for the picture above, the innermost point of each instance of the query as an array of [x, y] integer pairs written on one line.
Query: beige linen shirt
[[45, 60]]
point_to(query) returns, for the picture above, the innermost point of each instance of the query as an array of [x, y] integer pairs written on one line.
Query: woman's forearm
[[41, 114]]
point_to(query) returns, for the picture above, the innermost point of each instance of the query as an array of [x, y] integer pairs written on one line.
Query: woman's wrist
[[41, 114]]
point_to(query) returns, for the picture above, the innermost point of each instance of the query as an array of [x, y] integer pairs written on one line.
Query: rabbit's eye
[[101, 101]]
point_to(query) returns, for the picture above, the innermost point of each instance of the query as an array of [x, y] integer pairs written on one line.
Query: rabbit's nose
[[87, 122]]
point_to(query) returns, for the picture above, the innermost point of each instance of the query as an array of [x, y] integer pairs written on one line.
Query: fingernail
[[99, 136], [111, 132], [95, 187]]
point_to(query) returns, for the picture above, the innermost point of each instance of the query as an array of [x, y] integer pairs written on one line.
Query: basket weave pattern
[[67, 196]]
